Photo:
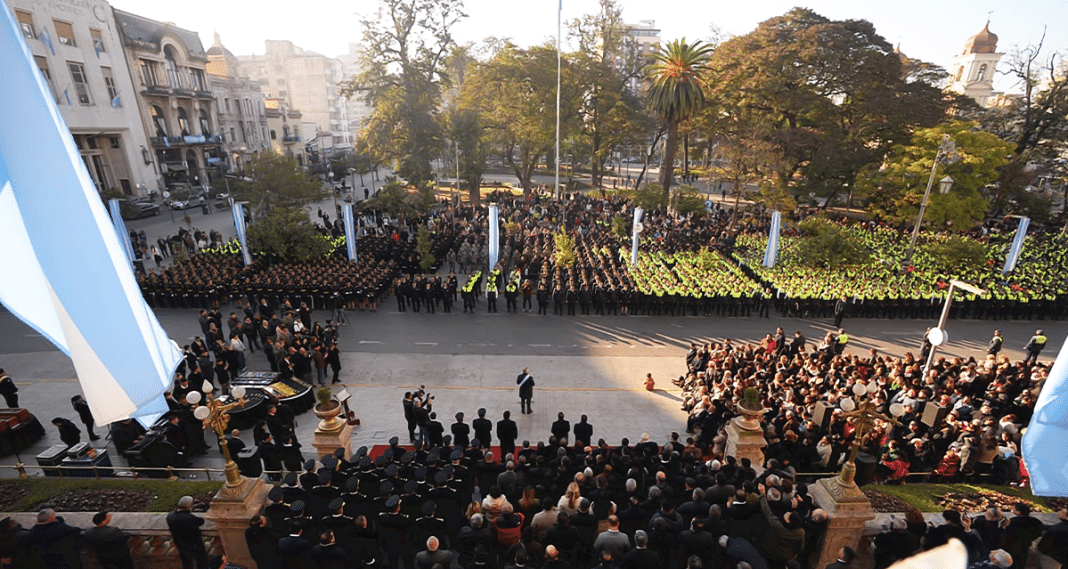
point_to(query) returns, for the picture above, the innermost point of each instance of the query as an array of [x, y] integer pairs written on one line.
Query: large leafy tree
[[514, 94], [676, 93], [276, 182], [897, 187], [286, 235], [406, 44], [830, 96], [465, 128], [607, 61]]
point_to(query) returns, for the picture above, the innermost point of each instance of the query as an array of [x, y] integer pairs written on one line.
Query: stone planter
[[328, 417]]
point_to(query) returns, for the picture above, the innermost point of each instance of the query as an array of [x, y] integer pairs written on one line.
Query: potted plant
[[327, 410]]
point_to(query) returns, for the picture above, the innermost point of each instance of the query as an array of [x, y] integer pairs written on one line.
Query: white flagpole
[[556, 153]]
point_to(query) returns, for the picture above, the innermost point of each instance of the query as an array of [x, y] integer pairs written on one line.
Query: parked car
[[188, 203], [139, 209]]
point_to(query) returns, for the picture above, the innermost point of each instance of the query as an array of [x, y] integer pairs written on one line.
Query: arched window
[[159, 120], [192, 170], [982, 73], [205, 123], [183, 122], [172, 68], [960, 72]]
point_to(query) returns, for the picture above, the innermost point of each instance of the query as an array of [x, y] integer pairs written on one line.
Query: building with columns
[[239, 103], [177, 107], [283, 129], [79, 51], [972, 70]]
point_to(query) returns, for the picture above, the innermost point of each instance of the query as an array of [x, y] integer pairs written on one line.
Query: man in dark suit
[[507, 432], [483, 428], [112, 545], [525, 381], [461, 432], [85, 415], [846, 555], [184, 526], [561, 427], [294, 550], [55, 542], [234, 444], [640, 557], [262, 541], [329, 555], [583, 431]]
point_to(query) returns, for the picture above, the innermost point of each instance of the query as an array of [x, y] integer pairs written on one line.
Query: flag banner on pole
[[242, 233], [773, 240], [87, 303], [1043, 443], [1017, 246], [494, 237], [350, 231], [635, 231], [120, 228]]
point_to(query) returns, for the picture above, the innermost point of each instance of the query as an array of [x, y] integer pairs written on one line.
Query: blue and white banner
[[1043, 443], [85, 300], [634, 235], [120, 228], [242, 232], [1017, 246], [773, 240], [350, 231], [494, 236]]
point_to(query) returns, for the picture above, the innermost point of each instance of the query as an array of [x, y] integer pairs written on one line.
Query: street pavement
[[585, 364]]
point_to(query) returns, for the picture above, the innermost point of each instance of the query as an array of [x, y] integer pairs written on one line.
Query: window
[[283, 94], [148, 73], [81, 85], [227, 103], [109, 81], [183, 122], [64, 32], [98, 40], [114, 142], [233, 135], [205, 124], [159, 120], [274, 135], [198, 79], [960, 72], [42, 64], [172, 68], [248, 107], [280, 82], [26, 23], [982, 73]]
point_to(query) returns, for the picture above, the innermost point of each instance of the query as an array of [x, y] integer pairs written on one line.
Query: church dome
[[983, 42]]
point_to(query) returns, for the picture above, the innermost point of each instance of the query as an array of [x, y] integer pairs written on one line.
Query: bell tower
[[972, 71]]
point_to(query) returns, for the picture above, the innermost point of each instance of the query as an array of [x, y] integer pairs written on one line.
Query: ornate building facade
[[972, 70], [242, 117]]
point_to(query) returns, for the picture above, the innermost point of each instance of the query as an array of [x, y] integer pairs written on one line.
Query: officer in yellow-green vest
[[843, 339], [491, 290], [511, 296], [1034, 347]]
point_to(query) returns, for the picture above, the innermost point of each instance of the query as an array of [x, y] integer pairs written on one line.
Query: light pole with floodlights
[[947, 154]]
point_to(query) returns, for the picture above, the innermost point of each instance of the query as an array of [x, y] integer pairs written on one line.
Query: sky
[[929, 30]]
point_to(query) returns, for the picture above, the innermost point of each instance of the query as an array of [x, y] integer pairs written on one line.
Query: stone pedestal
[[231, 509], [326, 442], [745, 439], [847, 510]]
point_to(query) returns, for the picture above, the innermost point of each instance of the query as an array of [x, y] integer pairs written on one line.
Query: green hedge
[[166, 492]]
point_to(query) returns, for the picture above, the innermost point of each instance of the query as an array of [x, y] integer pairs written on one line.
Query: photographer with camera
[[417, 407]]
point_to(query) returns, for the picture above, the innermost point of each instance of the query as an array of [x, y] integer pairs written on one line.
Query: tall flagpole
[[556, 154]]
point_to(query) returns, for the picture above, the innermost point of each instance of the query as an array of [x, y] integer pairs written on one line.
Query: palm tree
[[676, 93]]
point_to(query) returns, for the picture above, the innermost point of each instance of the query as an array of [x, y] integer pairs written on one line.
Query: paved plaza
[[592, 364]]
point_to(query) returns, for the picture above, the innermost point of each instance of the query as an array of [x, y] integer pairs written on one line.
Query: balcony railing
[[291, 138], [178, 140]]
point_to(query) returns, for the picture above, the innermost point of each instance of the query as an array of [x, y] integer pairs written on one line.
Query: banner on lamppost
[[242, 233], [120, 228], [1043, 443], [637, 229], [494, 237], [86, 302], [773, 240], [350, 231], [1017, 246]]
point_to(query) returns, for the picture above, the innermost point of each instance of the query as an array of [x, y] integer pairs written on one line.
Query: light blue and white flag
[[494, 237], [85, 300], [1043, 443], [636, 230], [1017, 246], [350, 231], [120, 228], [242, 233], [773, 240]]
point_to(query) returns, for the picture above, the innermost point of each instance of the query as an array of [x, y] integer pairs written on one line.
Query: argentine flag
[[68, 275]]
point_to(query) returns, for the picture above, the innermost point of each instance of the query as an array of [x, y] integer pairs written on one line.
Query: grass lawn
[[923, 496], [166, 493]]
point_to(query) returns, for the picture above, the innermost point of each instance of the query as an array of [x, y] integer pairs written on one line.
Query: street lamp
[[937, 336], [216, 416], [864, 413], [946, 155]]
